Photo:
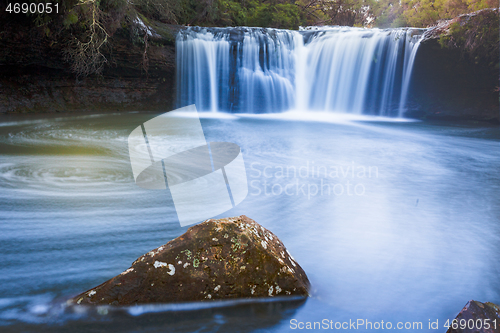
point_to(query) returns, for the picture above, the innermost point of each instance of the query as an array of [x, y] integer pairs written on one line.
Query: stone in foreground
[[477, 317], [217, 259]]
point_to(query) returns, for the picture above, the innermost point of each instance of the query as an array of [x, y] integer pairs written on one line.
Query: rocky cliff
[[36, 74], [456, 73]]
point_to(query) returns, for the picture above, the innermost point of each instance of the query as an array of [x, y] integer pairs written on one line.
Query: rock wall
[[449, 84], [444, 86], [34, 76]]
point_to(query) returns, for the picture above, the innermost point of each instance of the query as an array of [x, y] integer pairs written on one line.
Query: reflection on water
[[393, 221]]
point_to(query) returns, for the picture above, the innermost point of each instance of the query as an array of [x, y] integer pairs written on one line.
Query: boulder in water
[[217, 259]]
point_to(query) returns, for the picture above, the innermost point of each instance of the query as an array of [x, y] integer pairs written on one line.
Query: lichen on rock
[[217, 259]]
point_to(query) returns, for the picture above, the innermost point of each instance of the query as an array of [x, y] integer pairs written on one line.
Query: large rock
[[477, 317], [217, 259]]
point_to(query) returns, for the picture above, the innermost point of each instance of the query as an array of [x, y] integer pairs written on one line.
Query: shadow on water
[[224, 317]]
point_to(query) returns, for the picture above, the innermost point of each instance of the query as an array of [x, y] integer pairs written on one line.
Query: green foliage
[[112, 4], [288, 14], [424, 13], [232, 13], [338, 12], [70, 18], [477, 36], [160, 10], [388, 13], [285, 16]]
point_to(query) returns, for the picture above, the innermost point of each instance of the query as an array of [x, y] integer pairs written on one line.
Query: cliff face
[[35, 77], [444, 87], [456, 73]]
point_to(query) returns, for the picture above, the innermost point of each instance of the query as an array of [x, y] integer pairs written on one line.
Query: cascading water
[[412, 44], [257, 70]]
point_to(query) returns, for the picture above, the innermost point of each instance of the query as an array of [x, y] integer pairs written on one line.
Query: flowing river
[[391, 219]]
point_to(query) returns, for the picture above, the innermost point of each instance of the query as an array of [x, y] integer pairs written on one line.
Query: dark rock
[[36, 77], [447, 83], [217, 259], [479, 314]]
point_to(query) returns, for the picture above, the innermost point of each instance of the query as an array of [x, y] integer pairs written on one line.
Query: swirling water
[[410, 239]]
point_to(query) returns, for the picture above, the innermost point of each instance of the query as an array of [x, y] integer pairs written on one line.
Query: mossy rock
[[217, 259]]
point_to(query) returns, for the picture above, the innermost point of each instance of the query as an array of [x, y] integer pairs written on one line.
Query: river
[[391, 219]]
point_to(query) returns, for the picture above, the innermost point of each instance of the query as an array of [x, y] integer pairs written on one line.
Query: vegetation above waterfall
[[290, 14], [83, 28], [477, 35], [286, 14]]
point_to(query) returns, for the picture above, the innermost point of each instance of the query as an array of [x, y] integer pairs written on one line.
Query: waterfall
[[259, 70], [412, 44]]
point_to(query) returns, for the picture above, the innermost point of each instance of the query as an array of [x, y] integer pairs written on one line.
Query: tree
[[388, 13], [85, 53], [424, 13], [337, 12]]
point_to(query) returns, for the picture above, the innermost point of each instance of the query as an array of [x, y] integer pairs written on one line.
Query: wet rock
[[217, 259], [477, 317]]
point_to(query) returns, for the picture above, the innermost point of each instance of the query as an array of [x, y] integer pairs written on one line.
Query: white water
[[412, 44], [256, 70]]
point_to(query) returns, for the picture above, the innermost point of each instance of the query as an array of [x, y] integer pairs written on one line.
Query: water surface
[[410, 239]]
